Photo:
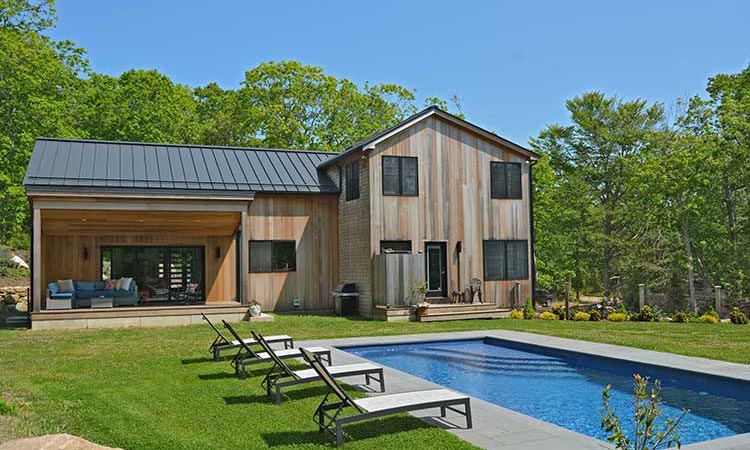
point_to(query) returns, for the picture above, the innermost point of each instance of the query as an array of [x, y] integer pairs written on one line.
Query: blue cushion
[[85, 285], [120, 293], [86, 294], [53, 289], [61, 295]]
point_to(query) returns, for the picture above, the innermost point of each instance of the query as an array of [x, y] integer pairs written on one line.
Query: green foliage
[[528, 310], [708, 318], [582, 316], [711, 312], [5, 408], [737, 317], [516, 314], [621, 309], [548, 315], [9, 270], [559, 310], [595, 315], [647, 412], [617, 317], [646, 314], [681, 317]]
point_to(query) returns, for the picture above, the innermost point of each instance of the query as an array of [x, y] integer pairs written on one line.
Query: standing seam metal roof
[[70, 164]]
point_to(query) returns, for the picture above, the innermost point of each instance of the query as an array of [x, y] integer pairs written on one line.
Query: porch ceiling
[[182, 223]]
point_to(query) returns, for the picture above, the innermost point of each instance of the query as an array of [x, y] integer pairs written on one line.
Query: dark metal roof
[[126, 167], [362, 145]]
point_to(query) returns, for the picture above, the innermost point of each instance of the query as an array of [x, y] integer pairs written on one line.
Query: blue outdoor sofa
[[84, 291]]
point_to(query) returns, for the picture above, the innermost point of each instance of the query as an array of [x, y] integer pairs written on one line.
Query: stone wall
[[14, 294]]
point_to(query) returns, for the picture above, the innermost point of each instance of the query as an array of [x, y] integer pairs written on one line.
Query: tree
[[39, 82], [606, 140]]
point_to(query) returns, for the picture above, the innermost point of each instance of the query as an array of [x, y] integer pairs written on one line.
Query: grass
[[156, 388]]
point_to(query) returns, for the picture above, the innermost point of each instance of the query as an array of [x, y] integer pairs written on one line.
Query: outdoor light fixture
[[85, 253]]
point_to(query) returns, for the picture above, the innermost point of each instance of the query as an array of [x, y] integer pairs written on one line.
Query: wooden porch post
[[36, 260], [243, 275]]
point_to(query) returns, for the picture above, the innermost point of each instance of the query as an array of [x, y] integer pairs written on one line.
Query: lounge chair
[[381, 405], [221, 343], [249, 356], [284, 376]]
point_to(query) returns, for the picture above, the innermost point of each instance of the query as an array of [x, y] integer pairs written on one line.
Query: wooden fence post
[[641, 296], [567, 300]]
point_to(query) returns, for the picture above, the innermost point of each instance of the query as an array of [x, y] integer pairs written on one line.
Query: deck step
[[435, 316], [462, 307]]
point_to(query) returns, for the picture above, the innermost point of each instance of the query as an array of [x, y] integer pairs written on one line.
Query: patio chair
[[247, 356], [221, 344], [378, 406], [285, 377]]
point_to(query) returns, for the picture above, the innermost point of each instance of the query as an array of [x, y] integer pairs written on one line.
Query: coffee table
[[101, 302]]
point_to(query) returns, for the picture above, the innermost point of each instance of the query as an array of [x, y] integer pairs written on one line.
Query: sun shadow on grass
[[288, 395], [355, 432], [205, 359]]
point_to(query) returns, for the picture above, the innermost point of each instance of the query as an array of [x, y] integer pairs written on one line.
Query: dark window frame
[[505, 272], [401, 178], [271, 265], [396, 241], [352, 180], [507, 190]]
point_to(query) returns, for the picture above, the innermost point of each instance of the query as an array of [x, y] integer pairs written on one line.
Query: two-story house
[[433, 202]]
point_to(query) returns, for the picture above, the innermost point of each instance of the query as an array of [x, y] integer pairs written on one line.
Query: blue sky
[[513, 64]]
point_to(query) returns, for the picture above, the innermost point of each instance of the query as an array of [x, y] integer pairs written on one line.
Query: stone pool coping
[[498, 428]]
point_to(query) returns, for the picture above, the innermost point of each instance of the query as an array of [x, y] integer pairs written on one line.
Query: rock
[[22, 307], [52, 442]]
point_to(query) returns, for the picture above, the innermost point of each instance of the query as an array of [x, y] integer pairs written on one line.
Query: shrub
[[617, 317], [5, 408], [737, 317], [708, 318], [681, 317], [559, 311], [711, 312], [582, 317], [595, 315], [646, 314], [648, 408], [528, 310], [516, 314], [547, 315], [621, 309]]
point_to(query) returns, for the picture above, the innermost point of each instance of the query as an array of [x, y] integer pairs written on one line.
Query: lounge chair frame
[[332, 423], [247, 356], [281, 376], [221, 343]]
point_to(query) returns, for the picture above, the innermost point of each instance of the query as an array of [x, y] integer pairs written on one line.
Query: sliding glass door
[[162, 273]]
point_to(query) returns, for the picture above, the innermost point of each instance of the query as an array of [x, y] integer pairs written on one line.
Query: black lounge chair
[[377, 406], [221, 343], [249, 356], [285, 377]]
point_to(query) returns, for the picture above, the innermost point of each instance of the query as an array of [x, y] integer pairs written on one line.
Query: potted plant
[[254, 309], [422, 308]]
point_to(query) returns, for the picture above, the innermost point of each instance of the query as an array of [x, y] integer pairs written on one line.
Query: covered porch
[[184, 256]]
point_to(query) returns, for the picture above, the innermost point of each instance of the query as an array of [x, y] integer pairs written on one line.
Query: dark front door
[[436, 269]]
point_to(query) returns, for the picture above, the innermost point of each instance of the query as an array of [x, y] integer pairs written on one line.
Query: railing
[[395, 277]]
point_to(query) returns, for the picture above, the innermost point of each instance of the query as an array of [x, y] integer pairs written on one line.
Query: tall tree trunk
[[606, 264], [732, 231], [691, 269]]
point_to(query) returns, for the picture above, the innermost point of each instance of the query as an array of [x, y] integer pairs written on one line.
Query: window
[[506, 260], [505, 180], [352, 180], [395, 247], [273, 256], [400, 176]]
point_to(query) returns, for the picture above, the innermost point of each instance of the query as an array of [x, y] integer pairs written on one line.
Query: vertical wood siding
[[454, 201], [311, 221]]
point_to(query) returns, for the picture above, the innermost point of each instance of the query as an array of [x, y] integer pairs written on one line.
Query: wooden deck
[[137, 316]]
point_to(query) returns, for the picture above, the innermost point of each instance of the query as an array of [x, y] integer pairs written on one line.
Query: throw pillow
[[127, 283], [109, 285], [118, 283], [191, 288], [53, 289], [65, 285]]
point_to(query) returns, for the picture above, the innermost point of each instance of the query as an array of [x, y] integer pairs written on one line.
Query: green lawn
[[154, 388]]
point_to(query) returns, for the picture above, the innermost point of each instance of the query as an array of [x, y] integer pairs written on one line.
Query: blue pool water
[[565, 388]]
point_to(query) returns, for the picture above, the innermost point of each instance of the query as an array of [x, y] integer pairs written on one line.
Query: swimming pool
[[565, 388]]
